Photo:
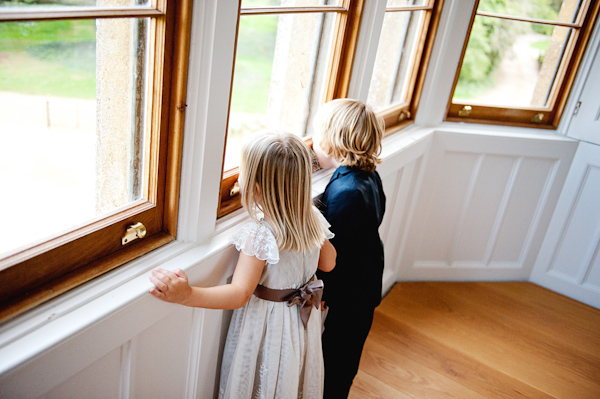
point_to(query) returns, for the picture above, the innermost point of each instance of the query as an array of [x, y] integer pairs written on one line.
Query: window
[[291, 56], [92, 99], [520, 61], [405, 45]]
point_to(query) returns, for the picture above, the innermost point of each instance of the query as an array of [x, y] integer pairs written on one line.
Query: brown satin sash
[[306, 297]]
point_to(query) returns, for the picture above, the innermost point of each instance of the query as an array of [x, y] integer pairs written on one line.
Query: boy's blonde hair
[[350, 133], [275, 176]]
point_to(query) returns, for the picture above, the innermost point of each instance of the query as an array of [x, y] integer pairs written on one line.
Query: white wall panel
[[482, 209], [100, 380], [484, 206], [527, 201], [569, 260], [159, 351], [401, 175]]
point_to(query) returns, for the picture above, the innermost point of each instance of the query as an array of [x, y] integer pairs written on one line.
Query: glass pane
[[396, 57], [289, 3], [72, 96], [552, 10], [279, 75], [70, 3], [511, 63]]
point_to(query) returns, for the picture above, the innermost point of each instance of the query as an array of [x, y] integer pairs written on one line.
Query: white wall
[[569, 261], [484, 206], [464, 203]]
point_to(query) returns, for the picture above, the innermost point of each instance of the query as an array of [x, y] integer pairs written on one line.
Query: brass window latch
[[134, 231], [537, 118], [465, 111], [235, 189]]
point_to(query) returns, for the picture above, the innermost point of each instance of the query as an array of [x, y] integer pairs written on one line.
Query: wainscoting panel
[[99, 380], [484, 207], [401, 175], [159, 351], [569, 260]]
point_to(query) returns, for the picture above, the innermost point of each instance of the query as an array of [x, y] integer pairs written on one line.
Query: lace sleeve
[[328, 234], [255, 239]]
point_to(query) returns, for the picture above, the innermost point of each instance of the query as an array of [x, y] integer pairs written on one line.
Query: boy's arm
[[174, 287]]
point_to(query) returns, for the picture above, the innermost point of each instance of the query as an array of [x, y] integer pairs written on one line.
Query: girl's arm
[[174, 287], [327, 257]]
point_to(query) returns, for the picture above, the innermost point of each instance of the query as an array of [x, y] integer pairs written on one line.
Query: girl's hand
[[170, 286]]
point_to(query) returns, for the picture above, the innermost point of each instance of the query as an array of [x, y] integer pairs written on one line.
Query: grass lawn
[[254, 63], [55, 58]]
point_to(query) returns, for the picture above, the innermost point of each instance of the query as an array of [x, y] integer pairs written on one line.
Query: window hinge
[[577, 106], [134, 231]]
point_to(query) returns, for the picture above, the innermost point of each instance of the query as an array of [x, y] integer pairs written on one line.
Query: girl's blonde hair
[[275, 176], [350, 132]]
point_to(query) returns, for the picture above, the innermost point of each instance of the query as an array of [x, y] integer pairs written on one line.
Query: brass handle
[[537, 118], [403, 116], [235, 189], [466, 111], [134, 231]]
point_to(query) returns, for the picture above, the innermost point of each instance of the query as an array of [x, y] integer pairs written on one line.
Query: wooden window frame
[[398, 116], [342, 54], [48, 269], [536, 117]]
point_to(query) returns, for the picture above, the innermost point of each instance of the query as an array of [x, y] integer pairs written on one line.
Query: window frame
[[347, 26], [342, 56], [48, 269], [532, 117], [399, 116]]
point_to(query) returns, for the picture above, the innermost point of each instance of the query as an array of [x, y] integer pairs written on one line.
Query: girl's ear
[[257, 190]]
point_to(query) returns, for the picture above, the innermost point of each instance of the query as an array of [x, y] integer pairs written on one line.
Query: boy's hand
[[170, 286]]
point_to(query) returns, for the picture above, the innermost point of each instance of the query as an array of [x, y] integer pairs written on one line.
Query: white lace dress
[[269, 353]]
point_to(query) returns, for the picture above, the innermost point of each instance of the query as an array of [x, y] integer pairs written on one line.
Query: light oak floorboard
[[480, 340]]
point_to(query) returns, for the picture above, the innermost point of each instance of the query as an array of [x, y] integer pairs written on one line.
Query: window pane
[[552, 10], [72, 96], [289, 3], [509, 63], [70, 3], [279, 75], [394, 64]]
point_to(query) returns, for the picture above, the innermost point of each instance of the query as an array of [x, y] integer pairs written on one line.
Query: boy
[[348, 136]]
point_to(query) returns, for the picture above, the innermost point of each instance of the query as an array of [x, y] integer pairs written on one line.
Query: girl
[[273, 347]]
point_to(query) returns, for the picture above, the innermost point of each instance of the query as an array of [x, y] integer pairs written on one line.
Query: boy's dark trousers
[[346, 330]]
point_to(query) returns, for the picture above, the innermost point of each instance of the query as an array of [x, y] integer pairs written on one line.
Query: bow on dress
[[306, 297]]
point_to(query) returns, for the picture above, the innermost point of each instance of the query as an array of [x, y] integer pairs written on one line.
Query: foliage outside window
[[88, 122], [520, 61], [405, 44], [291, 56]]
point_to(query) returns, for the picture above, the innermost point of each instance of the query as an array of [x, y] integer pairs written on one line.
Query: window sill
[[45, 326]]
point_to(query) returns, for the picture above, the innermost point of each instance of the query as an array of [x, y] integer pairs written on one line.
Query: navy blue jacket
[[354, 204]]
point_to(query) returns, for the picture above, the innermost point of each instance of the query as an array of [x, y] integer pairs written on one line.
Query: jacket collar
[[340, 171]]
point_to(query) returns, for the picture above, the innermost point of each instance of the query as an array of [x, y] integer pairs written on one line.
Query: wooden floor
[[480, 340]]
